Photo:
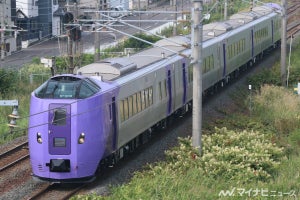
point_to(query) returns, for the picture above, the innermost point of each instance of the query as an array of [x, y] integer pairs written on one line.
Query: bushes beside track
[[250, 154]]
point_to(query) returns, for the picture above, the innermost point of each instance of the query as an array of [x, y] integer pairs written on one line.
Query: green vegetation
[[18, 84], [251, 154]]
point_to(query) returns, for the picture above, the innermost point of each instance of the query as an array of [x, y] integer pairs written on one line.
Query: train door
[[184, 81], [169, 84], [224, 60], [114, 122], [272, 29], [252, 43], [59, 140]]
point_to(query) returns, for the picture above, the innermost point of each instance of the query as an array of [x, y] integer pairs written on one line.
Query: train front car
[[66, 126]]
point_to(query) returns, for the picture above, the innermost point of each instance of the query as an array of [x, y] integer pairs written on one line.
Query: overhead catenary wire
[[74, 102], [78, 100]]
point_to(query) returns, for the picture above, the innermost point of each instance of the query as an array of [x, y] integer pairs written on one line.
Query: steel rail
[[14, 162], [13, 149]]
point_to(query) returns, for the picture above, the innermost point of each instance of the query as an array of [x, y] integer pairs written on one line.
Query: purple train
[[79, 123]]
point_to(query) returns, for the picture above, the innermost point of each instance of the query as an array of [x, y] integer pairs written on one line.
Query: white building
[[8, 35], [28, 7]]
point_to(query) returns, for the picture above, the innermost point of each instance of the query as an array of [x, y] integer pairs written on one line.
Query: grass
[[247, 157], [21, 92], [188, 176]]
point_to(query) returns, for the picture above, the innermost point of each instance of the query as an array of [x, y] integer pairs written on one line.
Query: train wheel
[[163, 124], [250, 63]]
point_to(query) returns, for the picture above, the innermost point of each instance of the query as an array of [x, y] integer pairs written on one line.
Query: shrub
[[240, 156], [278, 107], [8, 82], [134, 43]]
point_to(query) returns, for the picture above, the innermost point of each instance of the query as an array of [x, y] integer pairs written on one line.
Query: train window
[[66, 87], [204, 67], [121, 109], [126, 112], [59, 117], [146, 98], [139, 102], [134, 104], [211, 62], [160, 90], [190, 73], [165, 88], [143, 100], [150, 95], [130, 107], [227, 52]]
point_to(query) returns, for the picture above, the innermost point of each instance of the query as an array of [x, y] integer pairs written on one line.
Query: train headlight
[[81, 138], [39, 138]]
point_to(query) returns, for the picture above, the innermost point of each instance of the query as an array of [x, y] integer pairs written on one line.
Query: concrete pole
[[197, 73], [253, 3], [2, 14], [70, 45], [97, 36], [175, 18], [139, 8], [283, 43], [225, 10]]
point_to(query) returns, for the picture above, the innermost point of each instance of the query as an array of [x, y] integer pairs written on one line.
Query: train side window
[[134, 104], [190, 73], [160, 90], [121, 109], [126, 109], [146, 98], [143, 99], [204, 65], [139, 102], [211, 62], [235, 49], [227, 52], [130, 107], [150, 95]]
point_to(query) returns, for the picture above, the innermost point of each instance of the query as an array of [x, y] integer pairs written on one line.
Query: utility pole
[[283, 44], [2, 15], [197, 73], [175, 18], [139, 8], [70, 45], [225, 10], [97, 35], [253, 3]]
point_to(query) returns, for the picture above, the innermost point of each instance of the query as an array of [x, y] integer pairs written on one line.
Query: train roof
[[216, 29], [112, 68]]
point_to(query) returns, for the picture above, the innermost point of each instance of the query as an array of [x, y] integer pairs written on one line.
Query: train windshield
[[66, 87]]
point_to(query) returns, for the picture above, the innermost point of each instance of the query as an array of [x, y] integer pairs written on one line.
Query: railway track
[[14, 156], [293, 18], [57, 191]]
